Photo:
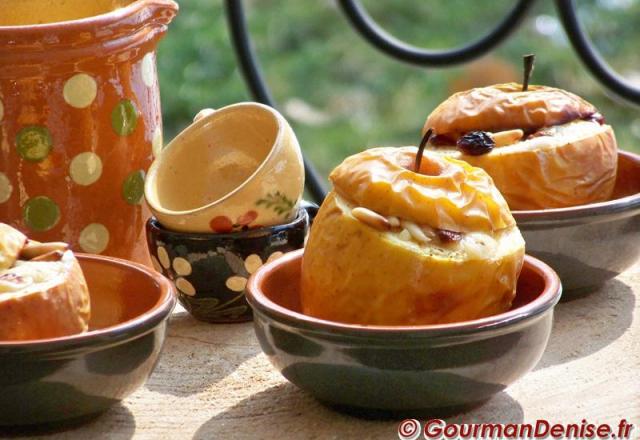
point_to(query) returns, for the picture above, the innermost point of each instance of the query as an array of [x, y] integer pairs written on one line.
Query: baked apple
[[400, 241], [43, 294], [544, 147]]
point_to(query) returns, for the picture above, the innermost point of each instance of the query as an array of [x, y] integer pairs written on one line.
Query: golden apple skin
[[353, 273], [560, 173], [505, 107], [446, 193]]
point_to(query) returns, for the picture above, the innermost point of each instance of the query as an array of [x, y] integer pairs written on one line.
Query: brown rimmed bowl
[[589, 244], [50, 380], [414, 369]]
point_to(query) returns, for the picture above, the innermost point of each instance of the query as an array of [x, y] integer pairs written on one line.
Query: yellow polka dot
[[80, 90], [5, 188], [181, 266], [252, 263], [147, 69], [236, 283], [274, 256], [85, 168], [163, 257], [156, 142], [1, 110], [156, 264], [185, 287], [94, 238]]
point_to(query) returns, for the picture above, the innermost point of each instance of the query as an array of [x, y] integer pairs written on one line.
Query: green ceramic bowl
[[414, 369], [51, 380]]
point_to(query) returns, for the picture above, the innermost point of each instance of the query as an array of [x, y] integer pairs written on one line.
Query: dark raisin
[[447, 236], [476, 143]]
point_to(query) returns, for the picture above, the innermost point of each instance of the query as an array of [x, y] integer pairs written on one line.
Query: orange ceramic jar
[[79, 123]]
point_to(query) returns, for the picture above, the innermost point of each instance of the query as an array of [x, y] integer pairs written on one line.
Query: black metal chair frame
[[391, 46]]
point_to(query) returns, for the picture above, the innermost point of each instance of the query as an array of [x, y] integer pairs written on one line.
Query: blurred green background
[[341, 95]]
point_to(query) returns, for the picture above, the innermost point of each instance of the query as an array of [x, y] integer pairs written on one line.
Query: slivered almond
[[416, 232], [428, 231], [404, 235], [371, 218], [34, 249], [394, 221], [49, 256], [509, 137]]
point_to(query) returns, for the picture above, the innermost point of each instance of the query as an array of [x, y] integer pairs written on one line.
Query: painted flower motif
[[223, 224], [252, 263], [181, 267]]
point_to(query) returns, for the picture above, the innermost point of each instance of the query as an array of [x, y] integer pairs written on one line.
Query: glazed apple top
[[445, 193], [506, 107]]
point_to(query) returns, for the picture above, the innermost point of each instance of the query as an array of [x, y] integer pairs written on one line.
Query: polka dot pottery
[[80, 119], [210, 271], [236, 167]]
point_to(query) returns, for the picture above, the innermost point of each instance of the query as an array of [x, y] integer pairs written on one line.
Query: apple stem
[[528, 61], [419, 154]]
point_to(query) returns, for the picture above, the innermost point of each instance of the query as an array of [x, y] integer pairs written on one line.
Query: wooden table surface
[[213, 382]]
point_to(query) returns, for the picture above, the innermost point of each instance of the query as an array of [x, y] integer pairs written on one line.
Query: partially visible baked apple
[[43, 294]]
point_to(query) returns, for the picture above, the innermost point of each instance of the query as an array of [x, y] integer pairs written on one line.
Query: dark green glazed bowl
[[51, 380], [589, 244], [210, 271], [412, 369]]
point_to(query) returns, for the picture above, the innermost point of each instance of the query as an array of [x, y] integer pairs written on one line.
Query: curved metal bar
[[590, 57], [395, 48], [255, 81]]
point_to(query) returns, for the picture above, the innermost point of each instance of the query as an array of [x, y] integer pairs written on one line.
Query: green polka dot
[[124, 118], [41, 213], [133, 187], [34, 143]]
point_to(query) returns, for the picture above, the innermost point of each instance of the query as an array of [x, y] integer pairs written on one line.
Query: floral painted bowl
[[401, 369], [74, 376], [210, 271], [237, 166], [589, 244]]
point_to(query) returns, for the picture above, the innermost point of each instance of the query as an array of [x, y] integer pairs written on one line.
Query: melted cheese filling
[[25, 277], [471, 246], [553, 136]]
